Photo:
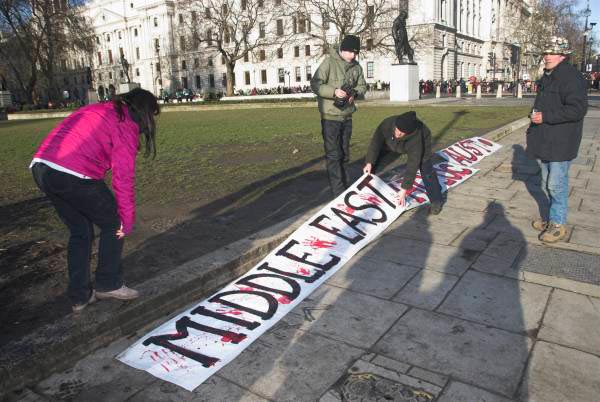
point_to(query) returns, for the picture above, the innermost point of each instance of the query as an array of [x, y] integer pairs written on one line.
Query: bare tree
[[20, 47], [548, 18], [328, 21], [233, 29], [36, 35]]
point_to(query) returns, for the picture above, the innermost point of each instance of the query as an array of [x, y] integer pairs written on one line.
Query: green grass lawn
[[203, 155]]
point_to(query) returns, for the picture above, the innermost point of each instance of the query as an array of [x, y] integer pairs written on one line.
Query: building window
[[261, 30], [296, 51], [160, 82], [281, 75], [99, 76], [209, 37], [137, 72], [210, 62], [121, 54], [224, 79], [307, 50], [182, 42], [110, 75], [120, 35], [196, 62], [261, 3], [308, 73], [246, 57], [370, 66], [130, 5], [244, 4], [184, 82], [211, 80], [107, 37], [110, 58], [156, 45], [158, 67], [194, 16], [207, 13], [198, 82], [222, 60], [100, 58], [298, 74], [302, 25], [155, 21], [247, 77], [277, 2], [280, 53], [135, 32], [263, 76], [262, 55], [280, 27], [181, 18], [97, 40], [183, 65], [137, 53], [369, 44]]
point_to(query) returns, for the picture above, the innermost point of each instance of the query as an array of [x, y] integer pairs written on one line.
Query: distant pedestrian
[[405, 134], [555, 132], [70, 166]]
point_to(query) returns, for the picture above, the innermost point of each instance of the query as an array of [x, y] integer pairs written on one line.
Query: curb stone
[[57, 346]]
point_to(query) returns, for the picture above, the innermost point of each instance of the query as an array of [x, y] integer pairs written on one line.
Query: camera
[[342, 102]]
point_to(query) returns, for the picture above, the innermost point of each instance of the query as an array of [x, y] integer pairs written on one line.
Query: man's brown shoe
[[539, 225], [78, 308], [554, 232], [123, 293]]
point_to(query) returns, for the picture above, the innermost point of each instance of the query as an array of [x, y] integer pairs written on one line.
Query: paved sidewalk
[[465, 306]]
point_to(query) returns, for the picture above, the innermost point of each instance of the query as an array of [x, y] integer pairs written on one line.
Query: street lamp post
[[587, 12]]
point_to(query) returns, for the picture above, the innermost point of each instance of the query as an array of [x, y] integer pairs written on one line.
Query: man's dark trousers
[[431, 183], [336, 139]]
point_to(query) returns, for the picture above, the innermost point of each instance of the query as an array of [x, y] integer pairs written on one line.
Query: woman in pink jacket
[[70, 166]]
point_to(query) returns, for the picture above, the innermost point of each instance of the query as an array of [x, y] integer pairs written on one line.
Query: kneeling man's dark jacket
[[416, 145], [562, 99]]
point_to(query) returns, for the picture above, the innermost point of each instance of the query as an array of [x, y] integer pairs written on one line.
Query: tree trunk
[[230, 75]]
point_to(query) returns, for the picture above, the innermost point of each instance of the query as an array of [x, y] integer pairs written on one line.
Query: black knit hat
[[407, 122], [351, 43]]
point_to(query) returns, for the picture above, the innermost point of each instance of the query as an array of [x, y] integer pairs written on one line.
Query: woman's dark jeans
[[81, 204]]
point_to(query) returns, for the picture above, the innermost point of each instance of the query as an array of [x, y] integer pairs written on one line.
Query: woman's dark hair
[[142, 107]]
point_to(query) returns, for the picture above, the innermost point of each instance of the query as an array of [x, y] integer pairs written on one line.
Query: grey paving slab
[[374, 277], [438, 257], [491, 182], [98, 377], [215, 389], [586, 236], [513, 225], [573, 320], [459, 392], [501, 302], [561, 263], [475, 239], [528, 168], [438, 232], [348, 316], [427, 289], [559, 374], [428, 376], [497, 266], [461, 201], [487, 192], [589, 205], [453, 215], [288, 364], [472, 352], [583, 218], [505, 247]]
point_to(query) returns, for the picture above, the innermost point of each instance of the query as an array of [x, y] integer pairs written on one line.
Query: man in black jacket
[[555, 132], [405, 134]]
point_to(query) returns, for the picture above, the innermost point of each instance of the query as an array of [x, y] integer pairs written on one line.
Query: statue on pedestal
[[400, 36], [125, 65]]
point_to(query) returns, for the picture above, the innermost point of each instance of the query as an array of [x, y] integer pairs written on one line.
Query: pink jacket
[[92, 141]]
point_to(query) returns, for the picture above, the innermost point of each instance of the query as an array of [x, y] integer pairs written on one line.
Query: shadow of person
[[532, 182], [491, 294]]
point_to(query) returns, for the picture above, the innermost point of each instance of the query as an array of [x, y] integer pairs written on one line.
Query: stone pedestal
[[499, 91], [126, 87], [458, 91], [519, 91], [404, 82], [438, 93], [478, 96]]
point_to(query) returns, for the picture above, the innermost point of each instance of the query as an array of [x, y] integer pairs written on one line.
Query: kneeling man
[[405, 134]]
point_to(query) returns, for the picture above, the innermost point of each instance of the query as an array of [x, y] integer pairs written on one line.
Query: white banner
[[197, 343]]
